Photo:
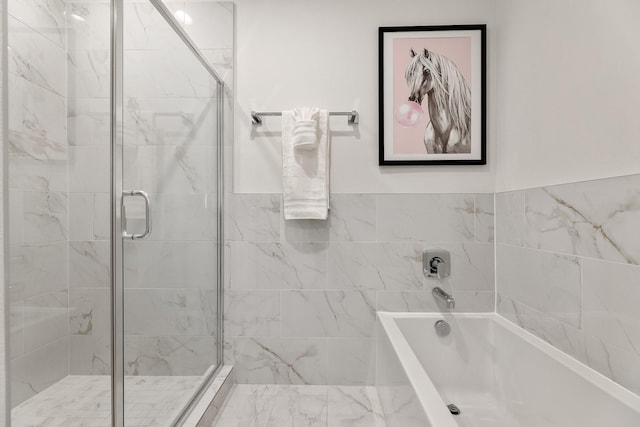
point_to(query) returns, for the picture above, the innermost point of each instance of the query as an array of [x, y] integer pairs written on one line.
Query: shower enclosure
[[115, 207]]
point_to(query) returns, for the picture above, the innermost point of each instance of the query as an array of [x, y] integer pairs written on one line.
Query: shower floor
[[85, 400], [300, 406]]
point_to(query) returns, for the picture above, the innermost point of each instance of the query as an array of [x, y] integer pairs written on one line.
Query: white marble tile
[[621, 366], [252, 313], [559, 334], [611, 297], [179, 170], [81, 216], [85, 400], [169, 355], [263, 265], [252, 217], [548, 282], [88, 121], [16, 328], [88, 25], [183, 217], [165, 122], [79, 121], [16, 218], [38, 112], [175, 264], [280, 360], [484, 218], [249, 406], [89, 264], [165, 73], [45, 16], [407, 301], [45, 320], [228, 110], [202, 311], [424, 301], [351, 361], [37, 370], [392, 266], [300, 406], [304, 230], [328, 313], [144, 28], [593, 219], [353, 407], [352, 217], [45, 217], [510, 218], [89, 169], [213, 24], [38, 175], [102, 216], [472, 267], [228, 170], [37, 269], [90, 355], [426, 217], [172, 312], [36, 58], [473, 302], [24, 147], [222, 62], [227, 350], [88, 73], [89, 312]]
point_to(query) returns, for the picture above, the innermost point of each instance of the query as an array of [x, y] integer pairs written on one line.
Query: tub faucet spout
[[441, 295]]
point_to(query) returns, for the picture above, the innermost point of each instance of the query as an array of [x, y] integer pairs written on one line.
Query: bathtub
[[497, 374]]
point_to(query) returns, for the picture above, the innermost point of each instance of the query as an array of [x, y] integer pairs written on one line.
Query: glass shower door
[[170, 216]]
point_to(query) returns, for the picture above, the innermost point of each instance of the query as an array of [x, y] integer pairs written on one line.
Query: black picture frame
[[435, 138]]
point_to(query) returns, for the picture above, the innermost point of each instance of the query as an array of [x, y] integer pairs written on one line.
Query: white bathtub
[[497, 374]]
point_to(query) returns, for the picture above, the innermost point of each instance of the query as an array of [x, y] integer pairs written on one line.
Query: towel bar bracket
[[353, 117]]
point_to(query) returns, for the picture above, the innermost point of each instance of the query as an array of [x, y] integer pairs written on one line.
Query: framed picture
[[432, 95]]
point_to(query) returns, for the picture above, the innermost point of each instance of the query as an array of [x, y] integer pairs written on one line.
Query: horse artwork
[[432, 95], [436, 77]]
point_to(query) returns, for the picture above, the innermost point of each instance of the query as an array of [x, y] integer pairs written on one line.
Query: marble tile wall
[[38, 196], [301, 296], [87, 42], [568, 260]]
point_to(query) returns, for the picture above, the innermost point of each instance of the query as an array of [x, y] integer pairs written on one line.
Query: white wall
[[568, 91], [325, 53]]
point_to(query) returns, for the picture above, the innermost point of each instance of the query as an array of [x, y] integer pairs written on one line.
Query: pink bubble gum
[[409, 114]]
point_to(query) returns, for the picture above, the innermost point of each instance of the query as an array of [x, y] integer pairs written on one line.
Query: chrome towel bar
[[353, 117]]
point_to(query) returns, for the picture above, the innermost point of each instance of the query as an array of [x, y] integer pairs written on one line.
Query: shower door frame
[[117, 252]]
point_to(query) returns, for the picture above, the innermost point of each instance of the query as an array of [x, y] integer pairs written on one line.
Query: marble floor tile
[[85, 400], [266, 405]]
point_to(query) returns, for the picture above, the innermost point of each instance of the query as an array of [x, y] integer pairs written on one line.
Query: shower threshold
[[85, 400]]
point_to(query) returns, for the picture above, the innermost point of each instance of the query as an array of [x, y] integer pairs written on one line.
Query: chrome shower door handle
[[147, 209]]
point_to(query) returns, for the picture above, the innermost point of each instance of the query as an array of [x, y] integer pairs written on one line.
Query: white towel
[[305, 173], [305, 128]]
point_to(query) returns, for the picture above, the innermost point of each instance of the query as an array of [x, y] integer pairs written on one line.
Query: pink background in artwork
[[458, 49]]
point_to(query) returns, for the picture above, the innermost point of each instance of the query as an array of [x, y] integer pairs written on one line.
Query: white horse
[[449, 99]]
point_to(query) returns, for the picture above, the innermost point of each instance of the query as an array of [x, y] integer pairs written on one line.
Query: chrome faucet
[[441, 295], [436, 263]]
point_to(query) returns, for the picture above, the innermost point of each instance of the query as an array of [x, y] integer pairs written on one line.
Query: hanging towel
[[305, 128], [305, 173]]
